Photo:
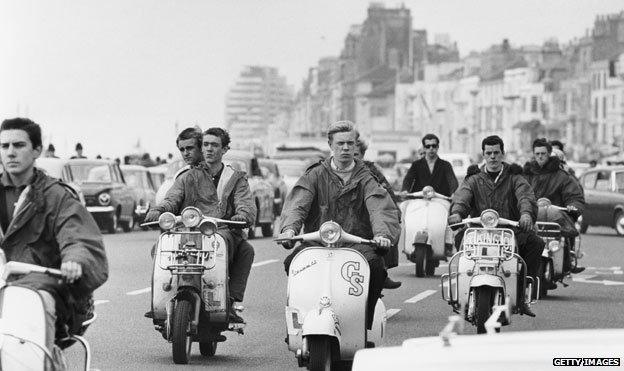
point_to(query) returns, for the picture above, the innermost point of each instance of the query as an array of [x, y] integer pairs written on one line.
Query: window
[[604, 107], [534, 103], [619, 181], [378, 111], [589, 180], [596, 107]]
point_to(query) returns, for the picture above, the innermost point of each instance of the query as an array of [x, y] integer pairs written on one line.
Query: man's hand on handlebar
[[382, 242], [71, 271], [454, 219], [152, 216], [526, 223], [238, 218], [288, 233]]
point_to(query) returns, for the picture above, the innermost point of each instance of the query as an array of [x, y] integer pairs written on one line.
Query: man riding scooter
[[342, 189], [222, 192], [501, 187], [43, 223], [549, 180]]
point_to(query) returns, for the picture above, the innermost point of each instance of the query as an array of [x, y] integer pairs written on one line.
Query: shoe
[[218, 338], [550, 285], [235, 318], [525, 309], [390, 284], [149, 314], [577, 269]]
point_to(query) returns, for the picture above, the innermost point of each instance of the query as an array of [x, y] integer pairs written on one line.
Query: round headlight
[[428, 192], [208, 227], [330, 232], [543, 202], [104, 199], [553, 246], [191, 216], [166, 221], [489, 218]]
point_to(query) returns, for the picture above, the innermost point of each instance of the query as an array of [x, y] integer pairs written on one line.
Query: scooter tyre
[[420, 260], [208, 348], [180, 336], [546, 274], [483, 307], [320, 353]]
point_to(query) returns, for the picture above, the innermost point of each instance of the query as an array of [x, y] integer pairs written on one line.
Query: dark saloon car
[[139, 179], [604, 195], [108, 197], [59, 168]]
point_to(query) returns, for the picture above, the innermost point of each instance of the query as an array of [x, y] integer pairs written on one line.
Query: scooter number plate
[[488, 242]]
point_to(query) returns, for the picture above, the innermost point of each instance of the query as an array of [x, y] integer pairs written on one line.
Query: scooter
[[483, 273], [190, 295], [552, 268], [326, 300], [23, 324], [425, 235]]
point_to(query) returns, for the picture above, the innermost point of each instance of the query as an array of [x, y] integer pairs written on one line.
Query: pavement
[[122, 339]]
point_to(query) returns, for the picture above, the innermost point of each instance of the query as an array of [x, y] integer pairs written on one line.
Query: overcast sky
[[109, 72]]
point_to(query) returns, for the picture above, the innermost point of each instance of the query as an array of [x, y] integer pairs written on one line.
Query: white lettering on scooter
[[297, 271], [350, 273]]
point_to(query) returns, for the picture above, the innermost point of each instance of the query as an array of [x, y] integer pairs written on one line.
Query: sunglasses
[[431, 146]]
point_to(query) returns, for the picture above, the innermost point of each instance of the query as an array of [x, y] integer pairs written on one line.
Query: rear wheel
[[420, 261], [483, 307], [208, 348], [180, 332], [320, 353], [267, 230], [619, 223], [431, 264]]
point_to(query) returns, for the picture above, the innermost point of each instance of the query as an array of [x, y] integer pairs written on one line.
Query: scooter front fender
[[487, 280], [321, 321]]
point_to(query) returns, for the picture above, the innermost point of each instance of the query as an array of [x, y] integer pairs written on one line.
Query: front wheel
[[581, 227], [320, 353], [619, 223], [180, 332], [208, 348], [483, 306], [267, 230], [546, 276]]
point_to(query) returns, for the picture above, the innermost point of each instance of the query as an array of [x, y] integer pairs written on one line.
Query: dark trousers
[[391, 259], [378, 276]]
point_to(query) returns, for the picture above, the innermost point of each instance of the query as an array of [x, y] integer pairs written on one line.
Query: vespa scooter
[[425, 235], [190, 295], [23, 324], [483, 274], [326, 300]]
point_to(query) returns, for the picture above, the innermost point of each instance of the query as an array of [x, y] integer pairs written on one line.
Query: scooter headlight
[[543, 202], [191, 216], [166, 221], [208, 227], [553, 246], [489, 218], [330, 232], [428, 192]]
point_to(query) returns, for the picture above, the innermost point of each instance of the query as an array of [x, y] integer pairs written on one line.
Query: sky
[[116, 73]]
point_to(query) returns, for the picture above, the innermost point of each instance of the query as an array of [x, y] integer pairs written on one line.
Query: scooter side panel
[[215, 299], [437, 215], [22, 314], [424, 215], [343, 276], [161, 276]]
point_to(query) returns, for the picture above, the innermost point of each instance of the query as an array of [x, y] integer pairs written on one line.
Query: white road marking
[[265, 262], [586, 279], [98, 302], [421, 296], [391, 312], [139, 291]]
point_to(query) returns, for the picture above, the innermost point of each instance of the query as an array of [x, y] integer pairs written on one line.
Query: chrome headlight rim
[[330, 232], [553, 246], [166, 221], [104, 198], [207, 227], [489, 218], [191, 216], [428, 192]]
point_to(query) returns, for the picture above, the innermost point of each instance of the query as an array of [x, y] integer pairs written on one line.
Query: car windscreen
[[292, 169], [91, 173], [134, 178]]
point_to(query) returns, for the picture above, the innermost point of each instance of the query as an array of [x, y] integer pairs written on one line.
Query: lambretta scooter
[[552, 264], [425, 235], [326, 300], [190, 294], [484, 272], [23, 324]]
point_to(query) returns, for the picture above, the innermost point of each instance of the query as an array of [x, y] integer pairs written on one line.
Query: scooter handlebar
[[14, 267]]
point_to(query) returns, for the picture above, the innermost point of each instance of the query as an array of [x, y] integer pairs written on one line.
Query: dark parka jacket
[[361, 206], [510, 196], [553, 182], [50, 227]]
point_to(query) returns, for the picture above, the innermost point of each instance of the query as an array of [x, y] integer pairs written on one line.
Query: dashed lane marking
[[139, 291], [391, 312], [265, 262], [98, 302], [421, 296]]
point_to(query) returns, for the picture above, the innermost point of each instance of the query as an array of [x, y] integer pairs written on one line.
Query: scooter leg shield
[[377, 332]]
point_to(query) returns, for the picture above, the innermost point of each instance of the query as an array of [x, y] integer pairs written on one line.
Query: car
[[460, 163], [261, 190], [172, 170], [291, 170], [271, 172], [59, 168], [158, 174], [604, 198], [108, 198], [138, 178]]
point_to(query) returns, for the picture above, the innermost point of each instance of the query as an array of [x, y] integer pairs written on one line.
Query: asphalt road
[[122, 339]]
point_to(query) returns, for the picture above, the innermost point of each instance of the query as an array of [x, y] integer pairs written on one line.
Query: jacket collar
[[551, 166]]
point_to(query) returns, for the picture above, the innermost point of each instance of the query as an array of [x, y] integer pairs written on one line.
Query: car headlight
[[104, 199], [330, 232], [166, 221], [543, 202], [489, 218], [428, 192], [191, 217], [553, 246], [208, 227]]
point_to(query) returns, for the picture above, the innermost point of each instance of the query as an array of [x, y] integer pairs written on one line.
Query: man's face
[[212, 149], [431, 149], [541, 155], [493, 156], [343, 147], [17, 153], [189, 150]]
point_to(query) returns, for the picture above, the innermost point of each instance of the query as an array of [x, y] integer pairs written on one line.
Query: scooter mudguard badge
[[351, 273]]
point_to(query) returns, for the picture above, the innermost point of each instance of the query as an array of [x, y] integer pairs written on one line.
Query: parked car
[[604, 195], [291, 170], [139, 180], [58, 168], [158, 174], [173, 169], [270, 171], [460, 163], [108, 197], [261, 190]]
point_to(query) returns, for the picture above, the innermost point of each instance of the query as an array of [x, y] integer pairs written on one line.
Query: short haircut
[[341, 127], [362, 146], [493, 140], [430, 137], [542, 142], [78, 146], [190, 133], [558, 143], [29, 126], [221, 133]]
